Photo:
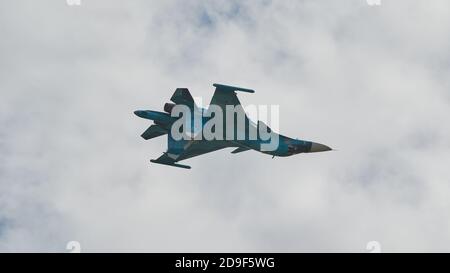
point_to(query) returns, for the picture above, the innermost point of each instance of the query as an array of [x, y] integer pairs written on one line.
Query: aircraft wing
[[154, 131], [226, 95], [191, 149], [165, 159], [240, 150]]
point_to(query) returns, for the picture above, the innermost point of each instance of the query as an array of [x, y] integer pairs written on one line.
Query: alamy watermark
[[73, 2], [373, 247], [73, 247], [228, 122], [373, 2]]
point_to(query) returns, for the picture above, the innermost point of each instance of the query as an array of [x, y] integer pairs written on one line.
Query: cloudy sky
[[370, 81]]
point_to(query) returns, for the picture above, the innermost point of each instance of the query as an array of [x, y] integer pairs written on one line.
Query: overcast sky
[[370, 81]]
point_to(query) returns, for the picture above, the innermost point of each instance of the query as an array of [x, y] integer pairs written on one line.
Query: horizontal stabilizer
[[230, 88], [240, 150], [153, 131]]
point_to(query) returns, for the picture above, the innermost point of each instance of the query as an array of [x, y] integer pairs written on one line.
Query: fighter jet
[[191, 145]]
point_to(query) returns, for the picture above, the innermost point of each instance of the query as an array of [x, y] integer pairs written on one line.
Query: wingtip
[[233, 88], [170, 164]]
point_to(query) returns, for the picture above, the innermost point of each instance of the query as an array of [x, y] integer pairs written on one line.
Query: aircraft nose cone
[[140, 113], [317, 147]]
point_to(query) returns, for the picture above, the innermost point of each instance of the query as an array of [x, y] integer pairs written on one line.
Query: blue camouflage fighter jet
[[224, 95]]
